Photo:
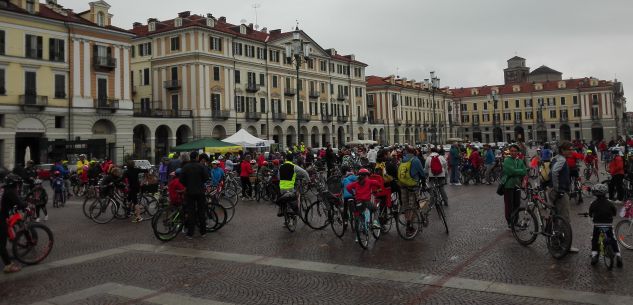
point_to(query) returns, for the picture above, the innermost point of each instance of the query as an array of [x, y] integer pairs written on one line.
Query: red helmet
[[363, 171], [265, 163], [56, 173], [276, 162]]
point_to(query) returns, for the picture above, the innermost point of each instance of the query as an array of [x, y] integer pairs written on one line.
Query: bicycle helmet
[[178, 171], [216, 162], [363, 171], [589, 151], [276, 162], [253, 162], [265, 163], [56, 173], [599, 189]]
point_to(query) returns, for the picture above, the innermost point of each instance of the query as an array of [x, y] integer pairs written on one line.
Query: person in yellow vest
[[288, 174], [469, 150], [81, 163]]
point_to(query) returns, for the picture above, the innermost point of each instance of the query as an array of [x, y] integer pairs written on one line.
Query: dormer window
[[516, 88], [100, 19], [474, 92], [243, 29], [210, 22], [178, 22], [30, 6], [152, 26], [538, 86], [562, 85]]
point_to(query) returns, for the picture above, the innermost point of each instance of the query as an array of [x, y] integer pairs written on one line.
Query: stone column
[[86, 73], [126, 73], [116, 50]]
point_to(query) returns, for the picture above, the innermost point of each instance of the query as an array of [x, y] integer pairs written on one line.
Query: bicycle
[[590, 171], [365, 221], [533, 221], [168, 222], [604, 244], [31, 242], [624, 228], [320, 213], [289, 212], [216, 213], [576, 189]]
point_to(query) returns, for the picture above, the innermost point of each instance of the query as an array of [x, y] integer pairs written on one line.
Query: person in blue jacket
[[216, 173]]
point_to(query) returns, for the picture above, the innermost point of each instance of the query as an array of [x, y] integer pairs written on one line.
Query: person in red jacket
[[175, 189], [616, 169], [602, 147], [385, 194], [475, 161], [362, 190], [245, 172]]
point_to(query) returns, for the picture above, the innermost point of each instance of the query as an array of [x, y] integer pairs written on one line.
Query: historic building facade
[[200, 76], [540, 106], [64, 82], [406, 111]]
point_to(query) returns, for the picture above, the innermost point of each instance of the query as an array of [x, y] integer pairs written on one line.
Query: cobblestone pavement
[[254, 260]]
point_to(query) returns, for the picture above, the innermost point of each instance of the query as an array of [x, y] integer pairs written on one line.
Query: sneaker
[[573, 250], [11, 268], [458, 184], [45, 217], [137, 219], [594, 259], [37, 219], [618, 261]]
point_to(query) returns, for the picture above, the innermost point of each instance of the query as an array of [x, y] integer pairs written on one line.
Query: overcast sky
[[467, 42]]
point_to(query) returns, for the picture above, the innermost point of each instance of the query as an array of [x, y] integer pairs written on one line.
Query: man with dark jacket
[[194, 175], [561, 180]]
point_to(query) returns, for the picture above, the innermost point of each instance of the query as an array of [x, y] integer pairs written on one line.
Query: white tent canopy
[[247, 140], [362, 142]]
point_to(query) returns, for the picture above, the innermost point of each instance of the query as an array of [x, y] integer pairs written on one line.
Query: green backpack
[[404, 175]]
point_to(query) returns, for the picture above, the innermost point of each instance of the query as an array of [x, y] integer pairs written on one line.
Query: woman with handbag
[[514, 170]]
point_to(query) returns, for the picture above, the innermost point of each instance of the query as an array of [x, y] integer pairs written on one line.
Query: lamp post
[[495, 99], [299, 51], [435, 84]]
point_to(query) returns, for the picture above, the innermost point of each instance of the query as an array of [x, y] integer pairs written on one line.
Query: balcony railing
[[220, 114], [157, 112], [252, 87], [315, 94], [341, 97], [370, 103], [33, 102], [104, 62], [475, 123], [305, 117], [253, 116], [326, 118], [342, 118], [290, 91], [362, 119], [408, 123], [106, 105], [376, 121], [172, 84], [278, 116]]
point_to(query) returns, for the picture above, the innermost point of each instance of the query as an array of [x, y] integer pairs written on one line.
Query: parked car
[[44, 171]]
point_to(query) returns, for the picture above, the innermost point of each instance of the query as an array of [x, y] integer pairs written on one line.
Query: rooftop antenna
[[397, 72], [297, 27], [256, 6]]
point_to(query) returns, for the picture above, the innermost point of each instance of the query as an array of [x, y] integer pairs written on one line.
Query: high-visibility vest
[[287, 176]]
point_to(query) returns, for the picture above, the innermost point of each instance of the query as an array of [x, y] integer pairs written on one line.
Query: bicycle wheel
[[608, 257], [338, 221], [374, 224], [86, 206], [167, 223], [408, 229], [33, 244], [442, 214], [290, 219], [102, 210], [229, 207], [304, 204], [77, 190], [317, 215], [149, 205], [216, 217], [624, 233], [560, 237], [524, 226], [362, 232], [386, 219]]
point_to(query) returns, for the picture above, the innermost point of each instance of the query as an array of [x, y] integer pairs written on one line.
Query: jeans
[[455, 174], [489, 168], [616, 185], [512, 201], [196, 213]]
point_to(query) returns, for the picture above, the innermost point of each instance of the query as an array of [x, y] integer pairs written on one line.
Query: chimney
[[149, 20], [223, 19], [331, 51], [351, 57], [265, 29], [250, 26], [209, 15], [184, 14], [275, 32], [136, 24]]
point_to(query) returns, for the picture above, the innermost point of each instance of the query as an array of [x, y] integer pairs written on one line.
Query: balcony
[[305, 117], [106, 105], [315, 94], [278, 116], [475, 123], [220, 114], [341, 97], [157, 112], [290, 91], [104, 62], [342, 118], [32, 102], [397, 122], [172, 84], [326, 118], [252, 87], [370, 103], [376, 121], [362, 119], [596, 117], [408, 123], [253, 116]]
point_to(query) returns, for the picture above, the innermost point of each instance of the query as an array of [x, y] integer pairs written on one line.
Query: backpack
[[545, 171], [404, 174], [436, 166], [382, 166]]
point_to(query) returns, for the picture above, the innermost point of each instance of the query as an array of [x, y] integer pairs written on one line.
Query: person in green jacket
[[514, 170]]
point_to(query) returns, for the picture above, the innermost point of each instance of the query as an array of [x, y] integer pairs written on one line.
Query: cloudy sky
[[467, 42]]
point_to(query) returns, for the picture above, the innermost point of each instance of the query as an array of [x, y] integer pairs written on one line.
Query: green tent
[[209, 145]]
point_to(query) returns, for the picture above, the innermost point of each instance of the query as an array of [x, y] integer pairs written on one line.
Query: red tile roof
[[570, 84]]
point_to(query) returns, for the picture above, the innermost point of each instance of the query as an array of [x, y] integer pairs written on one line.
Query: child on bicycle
[[57, 184], [175, 189], [362, 190], [591, 160], [602, 211]]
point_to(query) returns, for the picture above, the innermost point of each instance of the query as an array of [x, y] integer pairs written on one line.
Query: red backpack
[[436, 166]]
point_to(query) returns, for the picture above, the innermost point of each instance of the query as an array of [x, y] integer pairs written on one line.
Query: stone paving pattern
[[475, 218]]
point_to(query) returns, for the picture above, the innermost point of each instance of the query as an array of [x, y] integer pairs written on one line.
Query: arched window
[[100, 19]]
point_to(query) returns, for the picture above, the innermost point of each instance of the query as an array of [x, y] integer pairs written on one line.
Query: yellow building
[[200, 76], [406, 111], [540, 106], [64, 82]]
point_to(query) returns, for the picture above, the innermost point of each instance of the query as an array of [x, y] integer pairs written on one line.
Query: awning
[[209, 145]]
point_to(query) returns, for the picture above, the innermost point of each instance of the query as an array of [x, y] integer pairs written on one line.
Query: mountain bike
[[604, 244], [168, 222], [366, 222], [541, 218], [624, 228], [31, 242]]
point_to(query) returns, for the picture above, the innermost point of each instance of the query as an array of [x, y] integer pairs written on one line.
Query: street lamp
[[299, 51], [435, 84], [495, 99]]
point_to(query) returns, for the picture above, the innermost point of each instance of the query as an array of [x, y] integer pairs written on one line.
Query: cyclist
[[616, 169], [362, 190], [175, 188], [591, 161], [81, 163], [194, 175], [9, 198], [246, 169], [134, 187], [574, 173], [436, 167], [288, 175], [410, 173], [57, 184], [216, 173], [561, 181], [602, 212], [513, 172]]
